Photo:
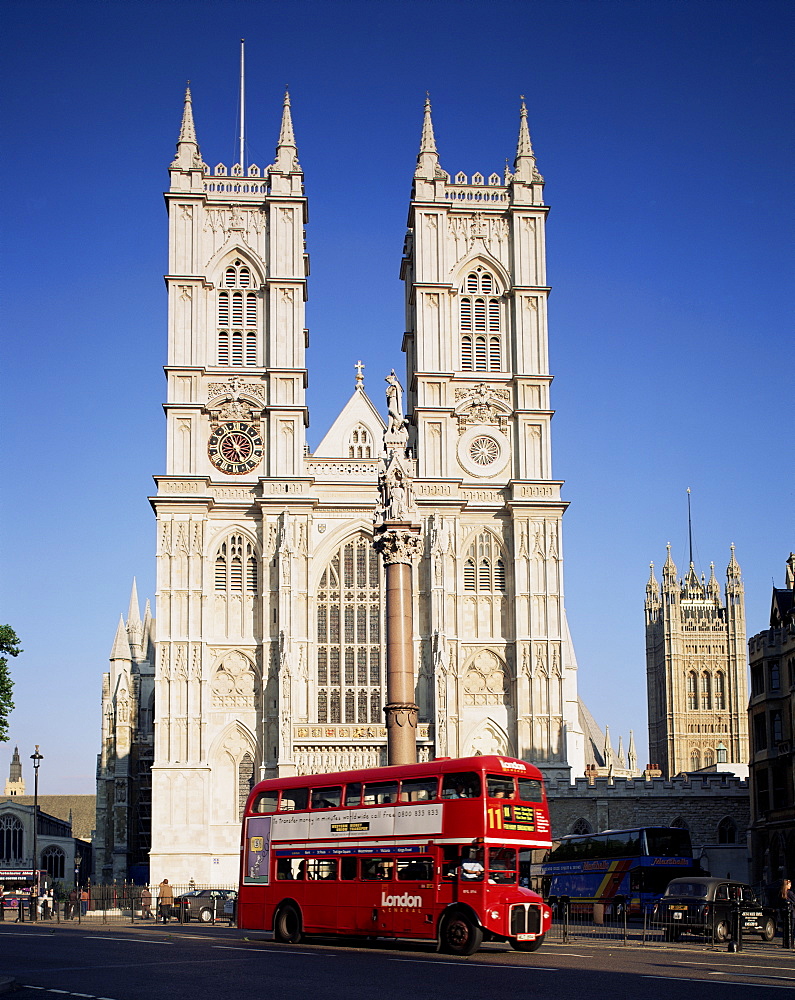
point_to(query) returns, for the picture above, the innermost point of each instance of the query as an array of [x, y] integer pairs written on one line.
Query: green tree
[[9, 646]]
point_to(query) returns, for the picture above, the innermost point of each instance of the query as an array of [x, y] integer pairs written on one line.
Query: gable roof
[[358, 410]]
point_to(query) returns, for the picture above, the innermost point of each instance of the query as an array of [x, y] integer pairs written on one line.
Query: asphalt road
[[160, 963]]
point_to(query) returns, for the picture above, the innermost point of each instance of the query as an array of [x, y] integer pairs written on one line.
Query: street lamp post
[[37, 758], [78, 902]]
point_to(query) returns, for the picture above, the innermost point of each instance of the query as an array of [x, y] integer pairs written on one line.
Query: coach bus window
[[418, 790], [499, 787], [461, 785], [415, 870], [502, 865], [321, 869], [327, 798], [265, 802], [530, 790], [290, 869], [294, 798], [376, 870], [353, 794], [348, 869], [377, 793]]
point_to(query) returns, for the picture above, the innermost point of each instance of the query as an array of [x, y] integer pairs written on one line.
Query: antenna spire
[[242, 104], [689, 527]]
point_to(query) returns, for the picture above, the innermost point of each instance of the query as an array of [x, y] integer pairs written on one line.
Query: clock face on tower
[[235, 448]]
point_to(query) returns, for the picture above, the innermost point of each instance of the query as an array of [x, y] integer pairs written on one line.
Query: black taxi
[[706, 905]]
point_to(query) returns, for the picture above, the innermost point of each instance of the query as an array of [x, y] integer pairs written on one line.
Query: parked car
[[705, 905], [202, 904], [230, 907]]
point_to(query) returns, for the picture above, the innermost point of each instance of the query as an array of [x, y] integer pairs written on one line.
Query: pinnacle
[[187, 132]]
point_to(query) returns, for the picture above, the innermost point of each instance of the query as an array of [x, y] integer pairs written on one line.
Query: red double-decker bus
[[412, 851]]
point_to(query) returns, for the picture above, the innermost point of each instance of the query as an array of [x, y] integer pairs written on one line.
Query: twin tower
[[268, 653]]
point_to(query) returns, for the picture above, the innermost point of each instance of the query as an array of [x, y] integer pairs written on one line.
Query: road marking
[[440, 961], [733, 982], [749, 975], [102, 937]]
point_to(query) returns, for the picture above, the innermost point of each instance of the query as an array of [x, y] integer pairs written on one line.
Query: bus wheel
[[526, 945], [460, 935], [287, 925]]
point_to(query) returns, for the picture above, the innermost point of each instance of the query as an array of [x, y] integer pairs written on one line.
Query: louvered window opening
[[481, 315], [350, 628], [237, 319], [232, 555], [484, 569]]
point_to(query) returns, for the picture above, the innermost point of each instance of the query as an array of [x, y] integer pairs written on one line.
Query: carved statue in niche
[[394, 404]]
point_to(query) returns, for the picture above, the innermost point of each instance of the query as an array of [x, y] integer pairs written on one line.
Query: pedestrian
[[146, 903], [83, 902], [166, 900], [786, 905], [73, 903]]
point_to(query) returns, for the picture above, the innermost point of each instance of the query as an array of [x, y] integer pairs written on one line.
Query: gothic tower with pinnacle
[[492, 617], [696, 670], [270, 636]]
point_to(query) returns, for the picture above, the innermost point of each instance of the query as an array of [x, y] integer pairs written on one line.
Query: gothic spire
[[669, 568], [733, 569], [188, 155], [286, 149], [121, 644], [524, 163], [632, 754], [428, 158], [134, 612]]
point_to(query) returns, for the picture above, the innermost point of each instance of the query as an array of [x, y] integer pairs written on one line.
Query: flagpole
[[242, 104]]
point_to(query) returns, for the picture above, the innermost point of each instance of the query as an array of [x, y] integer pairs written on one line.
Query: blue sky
[[663, 130]]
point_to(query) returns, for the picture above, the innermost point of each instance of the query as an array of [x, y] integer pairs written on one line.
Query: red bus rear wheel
[[287, 924], [460, 935]]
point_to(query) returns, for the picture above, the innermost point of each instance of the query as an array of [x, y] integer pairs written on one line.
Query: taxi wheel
[[526, 945], [460, 935], [768, 929], [287, 925], [721, 931]]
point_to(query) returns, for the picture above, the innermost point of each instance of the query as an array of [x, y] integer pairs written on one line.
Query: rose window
[[484, 451]]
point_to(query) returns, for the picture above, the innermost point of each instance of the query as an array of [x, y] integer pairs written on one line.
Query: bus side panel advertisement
[[389, 821], [258, 837]]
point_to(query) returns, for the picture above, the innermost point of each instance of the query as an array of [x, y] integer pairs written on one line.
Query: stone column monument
[[397, 538]]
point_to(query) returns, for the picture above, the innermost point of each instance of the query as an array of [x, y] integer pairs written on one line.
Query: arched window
[[484, 568], [236, 566], [350, 631], [480, 312], [706, 697], [695, 760], [680, 823], [720, 692], [727, 831], [238, 315], [53, 861], [581, 826], [245, 782], [360, 443], [11, 837], [692, 691], [709, 758]]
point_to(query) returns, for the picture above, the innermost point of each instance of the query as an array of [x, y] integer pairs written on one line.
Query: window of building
[[695, 760], [360, 443], [236, 566], [720, 692], [484, 568], [776, 726], [706, 695], [350, 650], [480, 323], [757, 680], [237, 318], [581, 826], [774, 674], [762, 790], [727, 831], [692, 691], [11, 837], [760, 732], [53, 861]]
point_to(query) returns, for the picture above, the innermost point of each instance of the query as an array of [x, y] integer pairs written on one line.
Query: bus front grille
[[525, 919]]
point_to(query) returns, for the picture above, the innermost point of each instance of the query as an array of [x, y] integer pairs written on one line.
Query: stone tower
[[16, 783], [270, 596], [492, 620], [696, 670]]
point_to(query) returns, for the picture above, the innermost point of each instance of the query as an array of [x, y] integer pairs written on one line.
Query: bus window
[[265, 802], [353, 794], [498, 786], [376, 869], [502, 865], [377, 793], [294, 798], [418, 790], [327, 798], [530, 790], [290, 869], [415, 870], [461, 785], [471, 868], [321, 869], [347, 869]]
